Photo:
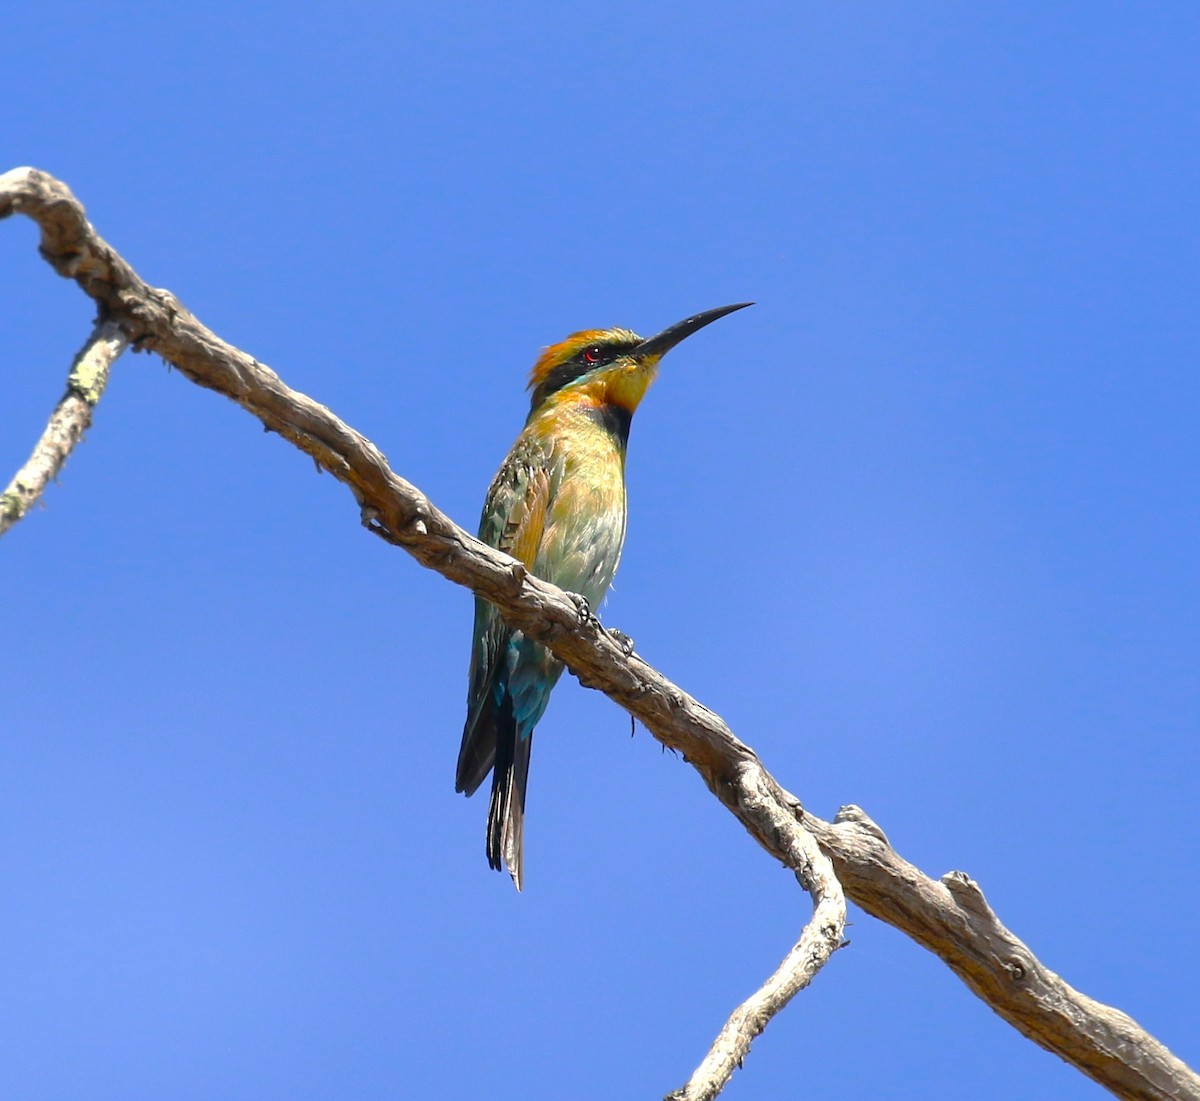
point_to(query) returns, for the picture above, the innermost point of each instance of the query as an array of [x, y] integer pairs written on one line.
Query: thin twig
[[953, 922], [71, 418], [822, 936]]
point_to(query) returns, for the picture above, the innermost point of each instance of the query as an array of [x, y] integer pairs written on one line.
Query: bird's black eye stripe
[[587, 359], [601, 354]]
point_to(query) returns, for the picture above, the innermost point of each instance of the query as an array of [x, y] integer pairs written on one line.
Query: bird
[[557, 505]]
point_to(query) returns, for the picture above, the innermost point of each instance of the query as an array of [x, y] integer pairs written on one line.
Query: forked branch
[[822, 936], [949, 917]]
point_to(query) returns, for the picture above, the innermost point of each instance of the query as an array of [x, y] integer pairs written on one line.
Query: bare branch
[[949, 918], [70, 420], [952, 919], [822, 936]]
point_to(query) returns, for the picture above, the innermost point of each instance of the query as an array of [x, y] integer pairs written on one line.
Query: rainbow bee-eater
[[558, 506]]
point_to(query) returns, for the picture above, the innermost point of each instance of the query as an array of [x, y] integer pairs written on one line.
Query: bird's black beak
[[666, 340]]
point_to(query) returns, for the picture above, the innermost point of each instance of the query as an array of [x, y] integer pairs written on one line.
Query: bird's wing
[[514, 514], [513, 520]]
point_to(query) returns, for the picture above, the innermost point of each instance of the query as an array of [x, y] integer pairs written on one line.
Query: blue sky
[[921, 526]]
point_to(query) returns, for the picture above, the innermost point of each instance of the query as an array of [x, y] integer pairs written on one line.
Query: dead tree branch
[[70, 420], [949, 917], [822, 936]]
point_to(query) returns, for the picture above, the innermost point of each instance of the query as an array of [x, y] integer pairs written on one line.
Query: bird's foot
[[582, 607], [622, 640], [586, 615]]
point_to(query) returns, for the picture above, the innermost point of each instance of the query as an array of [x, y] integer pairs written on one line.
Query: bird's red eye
[[593, 354]]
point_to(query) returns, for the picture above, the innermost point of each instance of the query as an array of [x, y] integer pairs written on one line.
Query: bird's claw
[[622, 640], [582, 607], [586, 616]]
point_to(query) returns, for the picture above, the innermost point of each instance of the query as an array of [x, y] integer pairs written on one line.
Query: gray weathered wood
[[949, 917], [71, 418]]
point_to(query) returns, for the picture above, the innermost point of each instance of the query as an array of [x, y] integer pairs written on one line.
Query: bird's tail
[[506, 813]]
